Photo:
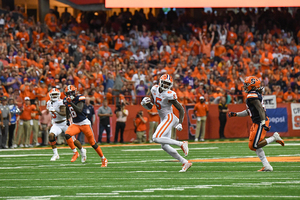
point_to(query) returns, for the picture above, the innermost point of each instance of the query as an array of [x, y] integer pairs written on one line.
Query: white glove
[[179, 127], [145, 101]]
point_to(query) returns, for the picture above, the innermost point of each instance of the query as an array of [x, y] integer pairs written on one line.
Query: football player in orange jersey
[[256, 110]]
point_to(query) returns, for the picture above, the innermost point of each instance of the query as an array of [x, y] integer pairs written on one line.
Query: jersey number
[[72, 111], [157, 103], [53, 115]]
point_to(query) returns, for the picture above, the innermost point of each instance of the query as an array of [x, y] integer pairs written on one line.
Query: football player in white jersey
[[59, 124], [164, 98]]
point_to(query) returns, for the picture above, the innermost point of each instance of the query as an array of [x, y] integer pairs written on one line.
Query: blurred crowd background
[[120, 57]]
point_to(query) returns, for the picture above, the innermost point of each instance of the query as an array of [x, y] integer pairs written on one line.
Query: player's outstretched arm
[[244, 113], [179, 107], [78, 108]]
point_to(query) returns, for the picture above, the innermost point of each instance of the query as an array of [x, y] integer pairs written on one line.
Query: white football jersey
[[56, 105], [162, 100]]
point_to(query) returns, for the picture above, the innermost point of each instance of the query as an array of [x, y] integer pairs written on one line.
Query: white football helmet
[[54, 94], [166, 82]]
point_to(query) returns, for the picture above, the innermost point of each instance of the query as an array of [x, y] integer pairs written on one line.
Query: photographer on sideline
[[140, 127], [122, 114]]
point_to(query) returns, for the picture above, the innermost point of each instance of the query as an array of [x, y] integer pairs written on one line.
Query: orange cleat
[[104, 162], [75, 156]]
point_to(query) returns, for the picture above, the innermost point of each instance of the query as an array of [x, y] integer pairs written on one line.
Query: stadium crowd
[[125, 55], [120, 57]]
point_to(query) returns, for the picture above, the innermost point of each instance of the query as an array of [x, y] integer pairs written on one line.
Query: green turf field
[[146, 172]]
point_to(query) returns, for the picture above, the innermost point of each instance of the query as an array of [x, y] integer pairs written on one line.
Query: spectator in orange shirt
[[278, 93], [206, 46], [289, 96], [24, 129], [118, 41], [266, 60], [140, 124], [219, 50], [201, 112]]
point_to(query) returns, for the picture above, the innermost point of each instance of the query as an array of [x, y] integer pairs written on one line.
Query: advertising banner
[[295, 109], [278, 119]]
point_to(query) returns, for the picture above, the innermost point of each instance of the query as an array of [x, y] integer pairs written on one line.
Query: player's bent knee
[[52, 139], [68, 136], [251, 147], [95, 146]]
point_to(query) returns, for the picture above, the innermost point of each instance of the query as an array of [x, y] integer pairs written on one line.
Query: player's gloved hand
[[232, 114], [69, 99], [179, 127], [267, 128], [68, 123]]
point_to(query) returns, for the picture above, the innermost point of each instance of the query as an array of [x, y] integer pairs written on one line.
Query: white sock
[[261, 154], [81, 150], [102, 157], [270, 139], [74, 150], [165, 140], [55, 151], [170, 150]]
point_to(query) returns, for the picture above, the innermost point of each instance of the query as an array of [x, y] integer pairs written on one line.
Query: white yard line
[[203, 148]]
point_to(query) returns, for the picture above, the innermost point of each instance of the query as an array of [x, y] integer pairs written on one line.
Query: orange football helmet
[[166, 82], [252, 83], [54, 94], [70, 91]]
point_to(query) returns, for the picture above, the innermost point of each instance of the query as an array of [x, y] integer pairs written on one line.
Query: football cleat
[[83, 155], [104, 162], [186, 166], [278, 138], [268, 168], [185, 148], [75, 156], [54, 157]]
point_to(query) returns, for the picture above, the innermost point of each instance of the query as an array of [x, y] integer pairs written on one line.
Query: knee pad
[[95, 146], [68, 136]]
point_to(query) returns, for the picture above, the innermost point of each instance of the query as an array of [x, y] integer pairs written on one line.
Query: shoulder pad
[[171, 95]]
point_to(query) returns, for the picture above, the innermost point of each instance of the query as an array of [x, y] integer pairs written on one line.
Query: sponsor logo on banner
[[270, 101], [295, 107], [278, 119], [192, 121]]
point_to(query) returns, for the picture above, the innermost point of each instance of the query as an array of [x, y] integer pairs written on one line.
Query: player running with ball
[[75, 103], [164, 98]]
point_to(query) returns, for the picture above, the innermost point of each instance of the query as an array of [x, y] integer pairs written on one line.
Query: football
[[147, 102]]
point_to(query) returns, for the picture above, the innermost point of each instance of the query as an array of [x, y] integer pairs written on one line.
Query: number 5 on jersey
[[158, 106]]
